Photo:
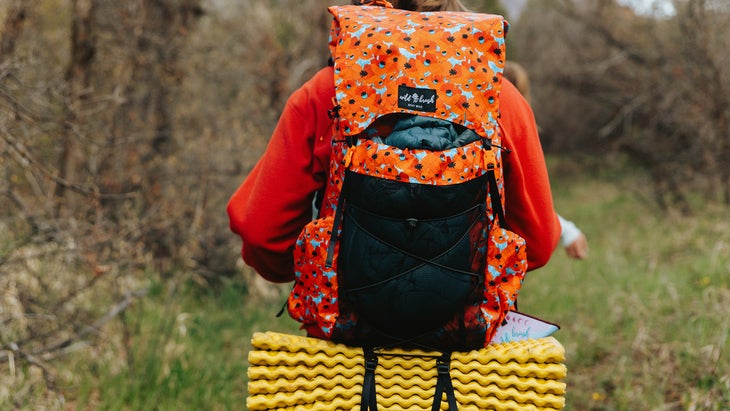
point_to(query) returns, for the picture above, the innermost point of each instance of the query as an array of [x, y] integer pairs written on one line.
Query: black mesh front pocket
[[407, 260]]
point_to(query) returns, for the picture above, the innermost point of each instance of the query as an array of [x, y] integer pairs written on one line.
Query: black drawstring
[[424, 261]]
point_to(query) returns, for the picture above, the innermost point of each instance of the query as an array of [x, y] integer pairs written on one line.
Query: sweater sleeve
[[274, 202], [569, 232], [528, 199]]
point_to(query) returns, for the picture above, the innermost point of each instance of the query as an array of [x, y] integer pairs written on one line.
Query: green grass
[[644, 319], [188, 351]]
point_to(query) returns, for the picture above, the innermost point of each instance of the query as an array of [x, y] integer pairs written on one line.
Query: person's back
[[273, 205], [384, 189]]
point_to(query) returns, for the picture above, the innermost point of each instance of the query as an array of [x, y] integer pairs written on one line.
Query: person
[[275, 201], [572, 238]]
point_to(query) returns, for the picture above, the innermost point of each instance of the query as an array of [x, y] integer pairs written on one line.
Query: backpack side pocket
[[506, 268], [314, 299]]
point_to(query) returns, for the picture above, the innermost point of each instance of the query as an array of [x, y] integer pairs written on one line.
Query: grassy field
[[644, 319]]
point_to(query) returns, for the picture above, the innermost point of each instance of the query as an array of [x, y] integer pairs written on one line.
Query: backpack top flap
[[445, 65]]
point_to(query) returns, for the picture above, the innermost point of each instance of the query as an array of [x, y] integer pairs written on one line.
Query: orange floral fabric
[[446, 167], [445, 64]]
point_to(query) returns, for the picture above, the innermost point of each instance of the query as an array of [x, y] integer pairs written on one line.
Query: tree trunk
[[78, 83], [12, 27]]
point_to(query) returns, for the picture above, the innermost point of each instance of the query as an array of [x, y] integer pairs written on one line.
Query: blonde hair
[[437, 5], [425, 5], [518, 76]]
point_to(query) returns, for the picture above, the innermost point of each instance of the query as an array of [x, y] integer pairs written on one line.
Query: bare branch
[[47, 351], [78, 188]]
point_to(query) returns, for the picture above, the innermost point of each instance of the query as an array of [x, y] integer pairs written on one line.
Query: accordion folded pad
[[289, 372]]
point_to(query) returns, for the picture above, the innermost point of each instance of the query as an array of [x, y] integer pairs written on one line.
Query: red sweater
[[274, 202]]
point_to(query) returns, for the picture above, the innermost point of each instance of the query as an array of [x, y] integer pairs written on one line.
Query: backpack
[[409, 247]]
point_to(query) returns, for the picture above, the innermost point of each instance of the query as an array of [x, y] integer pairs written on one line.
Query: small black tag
[[421, 99]]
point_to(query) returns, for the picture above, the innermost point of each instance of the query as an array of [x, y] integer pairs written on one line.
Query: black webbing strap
[[443, 384], [369, 400], [335, 229], [495, 199]]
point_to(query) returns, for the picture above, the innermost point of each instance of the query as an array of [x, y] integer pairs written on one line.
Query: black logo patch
[[421, 99]]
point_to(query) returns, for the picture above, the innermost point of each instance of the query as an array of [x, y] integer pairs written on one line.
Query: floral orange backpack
[[410, 247]]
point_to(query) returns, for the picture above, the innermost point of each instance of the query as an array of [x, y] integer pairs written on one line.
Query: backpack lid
[[445, 65]]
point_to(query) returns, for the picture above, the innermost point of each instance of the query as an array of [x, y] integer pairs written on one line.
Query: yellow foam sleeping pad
[[289, 372]]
